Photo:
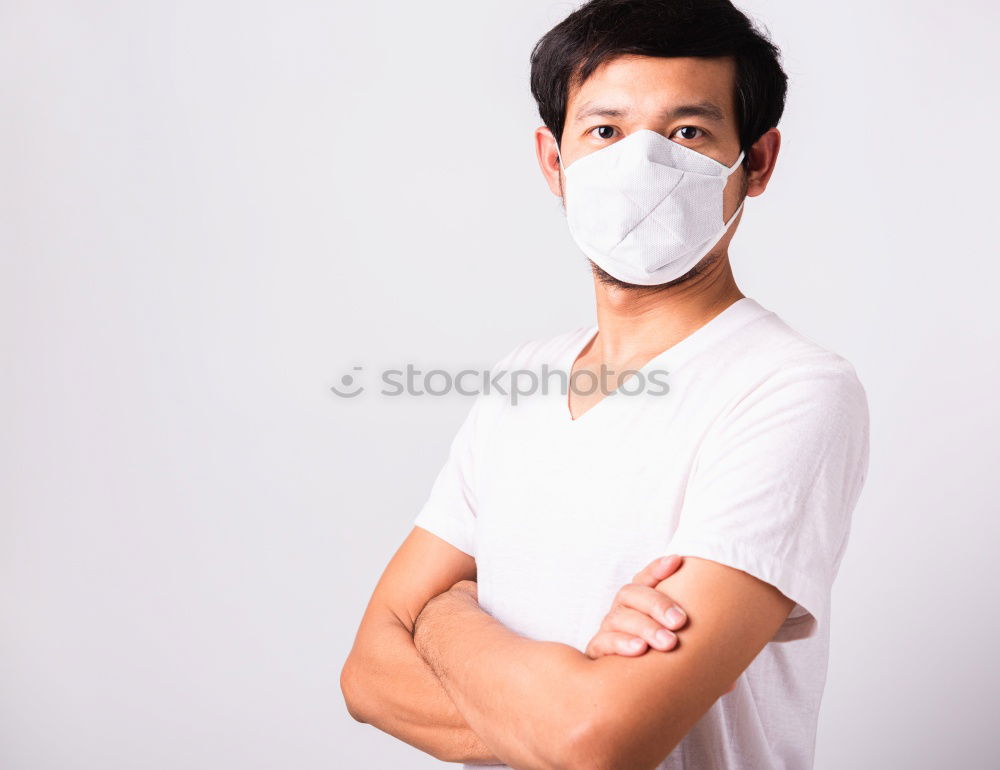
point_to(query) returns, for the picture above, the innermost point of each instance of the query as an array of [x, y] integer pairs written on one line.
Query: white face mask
[[646, 209]]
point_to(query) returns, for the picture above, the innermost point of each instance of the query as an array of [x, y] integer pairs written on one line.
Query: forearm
[[527, 699], [391, 687]]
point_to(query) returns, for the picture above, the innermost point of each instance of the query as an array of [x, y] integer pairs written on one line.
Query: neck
[[643, 322]]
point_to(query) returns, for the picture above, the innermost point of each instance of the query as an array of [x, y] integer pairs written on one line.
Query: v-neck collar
[[740, 312]]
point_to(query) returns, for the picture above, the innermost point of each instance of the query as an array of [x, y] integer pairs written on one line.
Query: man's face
[[688, 100]]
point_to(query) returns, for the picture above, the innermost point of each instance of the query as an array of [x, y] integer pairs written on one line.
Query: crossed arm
[[546, 705], [385, 681], [473, 691]]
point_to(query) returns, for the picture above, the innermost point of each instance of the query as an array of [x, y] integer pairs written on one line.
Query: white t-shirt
[[753, 455]]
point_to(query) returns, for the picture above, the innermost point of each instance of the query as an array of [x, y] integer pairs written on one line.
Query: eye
[[604, 132], [688, 132]]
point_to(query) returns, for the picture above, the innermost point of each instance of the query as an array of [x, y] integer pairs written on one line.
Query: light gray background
[[210, 211]]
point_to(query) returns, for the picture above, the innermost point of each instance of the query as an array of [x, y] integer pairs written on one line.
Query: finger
[[635, 623], [615, 643], [656, 604], [658, 569]]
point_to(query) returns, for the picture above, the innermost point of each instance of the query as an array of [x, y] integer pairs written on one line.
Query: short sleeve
[[450, 510], [775, 483]]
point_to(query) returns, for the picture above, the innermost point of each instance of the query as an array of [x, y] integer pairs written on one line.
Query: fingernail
[[666, 559], [674, 617], [664, 637], [634, 644]]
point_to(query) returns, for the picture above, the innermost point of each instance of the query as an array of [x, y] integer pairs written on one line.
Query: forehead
[[650, 84]]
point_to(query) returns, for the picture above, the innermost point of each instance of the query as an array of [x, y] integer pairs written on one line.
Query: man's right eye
[[602, 130]]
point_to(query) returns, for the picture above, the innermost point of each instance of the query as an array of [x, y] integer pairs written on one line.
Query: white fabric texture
[[754, 457]]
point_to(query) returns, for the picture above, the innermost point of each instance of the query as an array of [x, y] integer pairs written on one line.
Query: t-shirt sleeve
[[775, 484], [450, 510]]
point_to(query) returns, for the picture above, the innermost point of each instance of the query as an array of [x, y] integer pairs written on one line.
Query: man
[[660, 121]]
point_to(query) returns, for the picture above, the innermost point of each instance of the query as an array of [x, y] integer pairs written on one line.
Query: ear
[[548, 159], [763, 157]]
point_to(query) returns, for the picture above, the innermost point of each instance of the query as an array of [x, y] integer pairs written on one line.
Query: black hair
[[601, 30]]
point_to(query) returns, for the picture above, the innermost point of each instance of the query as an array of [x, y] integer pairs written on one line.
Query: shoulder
[[551, 349], [523, 367], [772, 351], [776, 372]]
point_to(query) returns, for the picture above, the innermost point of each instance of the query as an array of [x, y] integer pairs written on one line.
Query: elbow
[[351, 688]]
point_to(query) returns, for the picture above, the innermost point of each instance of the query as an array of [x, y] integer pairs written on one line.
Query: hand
[[635, 617], [641, 616]]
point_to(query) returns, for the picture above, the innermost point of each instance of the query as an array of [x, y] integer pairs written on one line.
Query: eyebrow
[[707, 110]]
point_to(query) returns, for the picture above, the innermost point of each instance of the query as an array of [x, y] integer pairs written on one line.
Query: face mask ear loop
[[736, 165], [732, 170], [732, 219]]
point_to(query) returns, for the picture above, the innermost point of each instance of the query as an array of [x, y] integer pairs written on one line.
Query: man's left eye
[[688, 132]]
